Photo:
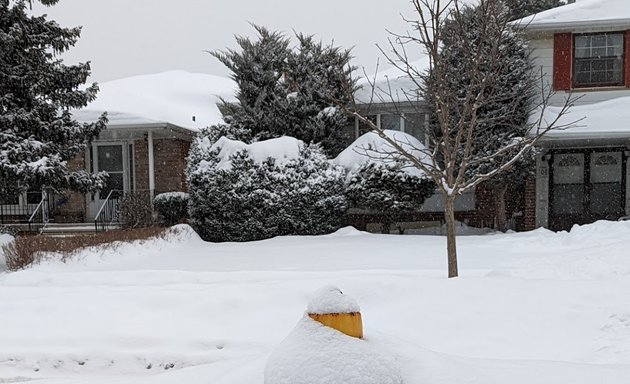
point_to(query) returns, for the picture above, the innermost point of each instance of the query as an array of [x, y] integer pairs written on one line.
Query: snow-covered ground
[[533, 307]]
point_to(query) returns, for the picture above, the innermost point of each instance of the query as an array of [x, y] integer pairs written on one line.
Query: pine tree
[[37, 91], [522, 8], [387, 189], [283, 91], [258, 68], [504, 117], [321, 85]]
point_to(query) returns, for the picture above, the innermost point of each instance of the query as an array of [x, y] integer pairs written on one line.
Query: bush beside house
[[245, 192], [171, 207]]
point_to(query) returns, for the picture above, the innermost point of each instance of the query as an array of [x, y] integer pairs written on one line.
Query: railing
[[16, 213], [108, 213], [129, 209], [40, 216], [29, 217]]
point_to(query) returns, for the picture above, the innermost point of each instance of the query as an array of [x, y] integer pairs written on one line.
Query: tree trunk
[[386, 227], [451, 247], [500, 215]]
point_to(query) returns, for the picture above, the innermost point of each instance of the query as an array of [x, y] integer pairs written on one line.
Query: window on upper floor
[[598, 60]]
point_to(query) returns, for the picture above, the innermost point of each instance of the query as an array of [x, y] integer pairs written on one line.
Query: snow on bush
[[316, 354], [244, 192], [172, 207], [381, 182]]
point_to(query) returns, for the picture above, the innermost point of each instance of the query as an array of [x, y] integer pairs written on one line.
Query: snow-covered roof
[[390, 85], [172, 97], [371, 148], [583, 13], [606, 119]]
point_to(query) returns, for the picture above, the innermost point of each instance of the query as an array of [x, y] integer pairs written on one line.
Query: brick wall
[[170, 164], [141, 165], [529, 209], [169, 161]]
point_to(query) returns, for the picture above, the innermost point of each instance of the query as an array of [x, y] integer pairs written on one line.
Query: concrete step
[[70, 229]]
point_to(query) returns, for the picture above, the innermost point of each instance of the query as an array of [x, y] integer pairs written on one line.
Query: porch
[[141, 161]]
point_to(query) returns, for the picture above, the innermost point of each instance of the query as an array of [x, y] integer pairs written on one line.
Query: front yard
[[536, 307]]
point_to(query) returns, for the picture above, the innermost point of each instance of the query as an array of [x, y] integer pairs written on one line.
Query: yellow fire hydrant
[[333, 309]]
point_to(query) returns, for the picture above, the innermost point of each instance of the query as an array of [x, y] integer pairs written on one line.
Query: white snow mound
[[280, 149], [330, 299], [316, 354], [371, 148]]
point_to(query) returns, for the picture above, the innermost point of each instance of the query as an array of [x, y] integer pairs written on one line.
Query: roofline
[[571, 25], [584, 135], [152, 127]]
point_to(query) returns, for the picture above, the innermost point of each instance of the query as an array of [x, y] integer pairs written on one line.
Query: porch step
[[70, 229]]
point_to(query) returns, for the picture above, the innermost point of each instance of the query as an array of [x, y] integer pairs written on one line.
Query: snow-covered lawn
[[529, 308]]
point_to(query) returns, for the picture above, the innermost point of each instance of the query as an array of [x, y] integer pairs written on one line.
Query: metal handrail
[[107, 211], [109, 195], [43, 204]]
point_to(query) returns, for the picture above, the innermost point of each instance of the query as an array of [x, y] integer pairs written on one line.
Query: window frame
[[574, 61]]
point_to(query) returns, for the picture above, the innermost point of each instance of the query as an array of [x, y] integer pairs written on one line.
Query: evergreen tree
[[389, 190], [522, 8], [321, 85], [258, 68], [503, 118], [37, 91], [283, 91]]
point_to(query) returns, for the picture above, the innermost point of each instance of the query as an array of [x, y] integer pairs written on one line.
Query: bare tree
[[453, 159]]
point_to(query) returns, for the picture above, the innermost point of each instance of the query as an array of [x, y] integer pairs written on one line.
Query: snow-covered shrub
[[388, 190], [171, 207], [381, 182], [244, 192]]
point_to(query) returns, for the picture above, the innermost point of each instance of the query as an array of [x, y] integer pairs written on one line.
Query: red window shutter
[[626, 63], [562, 61]]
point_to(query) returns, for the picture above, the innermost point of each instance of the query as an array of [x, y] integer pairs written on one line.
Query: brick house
[[152, 121], [582, 172]]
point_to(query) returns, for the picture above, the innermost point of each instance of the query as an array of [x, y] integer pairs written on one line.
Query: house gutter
[[572, 25]]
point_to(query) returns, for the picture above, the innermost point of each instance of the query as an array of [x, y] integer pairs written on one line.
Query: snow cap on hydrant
[[333, 309]]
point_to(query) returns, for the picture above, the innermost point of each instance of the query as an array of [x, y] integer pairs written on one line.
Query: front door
[[110, 158], [586, 187]]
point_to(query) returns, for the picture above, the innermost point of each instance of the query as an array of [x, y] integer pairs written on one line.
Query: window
[[568, 179], [598, 60], [411, 123], [606, 178]]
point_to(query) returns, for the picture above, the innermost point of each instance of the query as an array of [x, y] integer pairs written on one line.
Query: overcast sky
[[129, 37]]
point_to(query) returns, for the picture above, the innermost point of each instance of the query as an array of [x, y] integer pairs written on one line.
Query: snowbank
[[330, 299], [529, 308], [371, 148], [316, 354], [4, 239], [185, 99]]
